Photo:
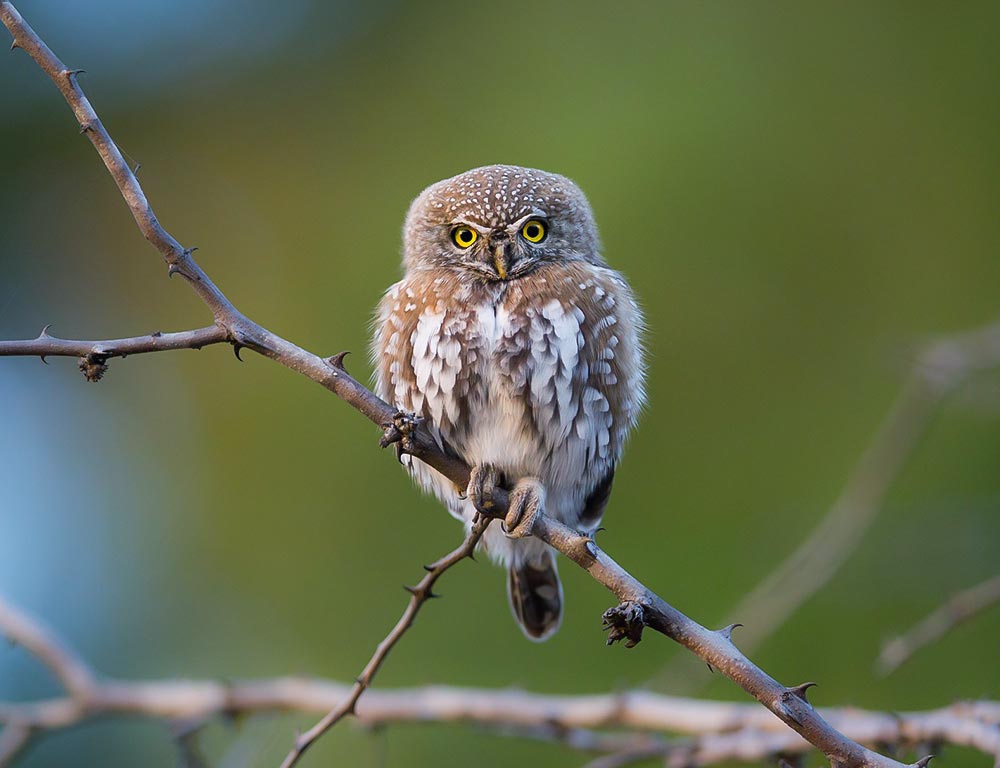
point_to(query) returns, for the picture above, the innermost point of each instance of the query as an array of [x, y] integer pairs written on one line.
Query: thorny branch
[[641, 607], [420, 594], [621, 725], [957, 609], [71, 671], [94, 355], [941, 367]]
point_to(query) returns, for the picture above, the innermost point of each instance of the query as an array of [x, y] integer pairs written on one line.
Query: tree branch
[[13, 740], [420, 594], [240, 330], [957, 609], [94, 354], [640, 606], [68, 668], [942, 366], [723, 731]]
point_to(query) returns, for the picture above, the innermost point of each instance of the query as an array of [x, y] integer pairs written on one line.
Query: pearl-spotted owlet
[[520, 348]]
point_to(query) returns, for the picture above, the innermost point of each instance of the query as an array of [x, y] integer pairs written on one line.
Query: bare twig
[[68, 668], [640, 606], [94, 355], [637, 754], [942, 366], [239, 330], [605, 743], [724, 731], [47, 345], [420, 594], [14, 740], [957, 609]]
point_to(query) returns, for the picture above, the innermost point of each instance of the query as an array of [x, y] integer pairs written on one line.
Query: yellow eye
[[533, 231], [464, 236]]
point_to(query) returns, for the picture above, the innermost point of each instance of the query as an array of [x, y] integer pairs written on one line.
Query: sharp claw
[[527, 500], [483, 483], [509, 524]]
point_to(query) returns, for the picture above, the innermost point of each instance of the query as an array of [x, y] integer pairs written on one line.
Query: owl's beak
[[500, 249]]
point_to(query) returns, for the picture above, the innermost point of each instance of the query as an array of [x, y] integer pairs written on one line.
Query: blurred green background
[[800, 193]]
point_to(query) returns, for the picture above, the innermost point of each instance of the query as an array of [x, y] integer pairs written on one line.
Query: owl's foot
[[527, 501], [483, 481]]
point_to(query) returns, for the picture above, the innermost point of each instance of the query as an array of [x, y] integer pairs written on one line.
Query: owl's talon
[[527, 501], [483, 481]]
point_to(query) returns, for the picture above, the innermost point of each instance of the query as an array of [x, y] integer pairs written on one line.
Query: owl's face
[[499, 223]]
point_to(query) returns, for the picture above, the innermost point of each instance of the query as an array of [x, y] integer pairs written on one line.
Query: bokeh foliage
[[799, 192]]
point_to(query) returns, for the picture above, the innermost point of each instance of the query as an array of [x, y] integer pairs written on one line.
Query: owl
[[520, 348]]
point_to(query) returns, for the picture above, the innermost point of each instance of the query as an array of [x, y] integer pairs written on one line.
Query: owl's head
[[499, 223]]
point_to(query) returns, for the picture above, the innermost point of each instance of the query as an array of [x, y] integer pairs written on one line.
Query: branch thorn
[[85, 127], [172, 269], [800, 691], [923, 761], [45, 332], [337, 360], [189, 251], [236, 350], [14, 45], [727, 632]]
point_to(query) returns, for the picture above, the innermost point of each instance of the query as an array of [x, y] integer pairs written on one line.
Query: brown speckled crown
[[498, 195]]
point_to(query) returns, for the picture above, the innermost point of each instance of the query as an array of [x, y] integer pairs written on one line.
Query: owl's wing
[[593, 509], [419, 350], [612, 365], [582, 375]]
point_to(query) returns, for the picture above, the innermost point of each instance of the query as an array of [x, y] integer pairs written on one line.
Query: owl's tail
[[536, 596]]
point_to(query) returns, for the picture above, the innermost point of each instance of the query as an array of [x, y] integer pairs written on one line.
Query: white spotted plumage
[[540, 374]]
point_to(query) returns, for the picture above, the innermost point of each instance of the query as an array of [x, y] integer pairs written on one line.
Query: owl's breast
[[526, 405], [541, 378], [483, 410]]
